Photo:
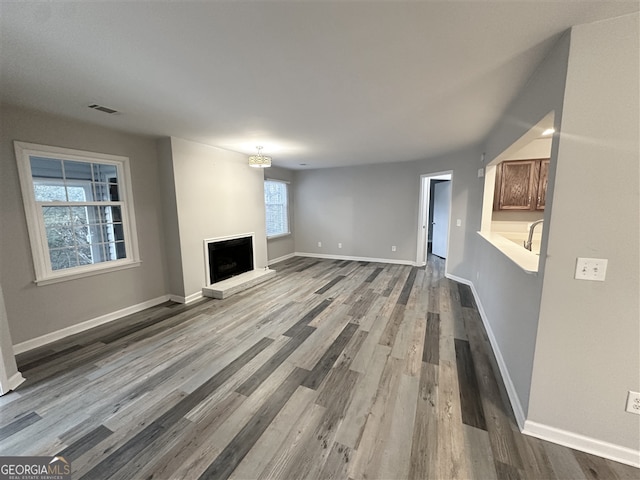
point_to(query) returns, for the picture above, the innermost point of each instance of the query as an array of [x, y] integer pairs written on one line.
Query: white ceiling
[[316, 83]]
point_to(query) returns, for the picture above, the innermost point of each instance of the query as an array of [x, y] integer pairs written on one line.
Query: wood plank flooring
[[333, 370]]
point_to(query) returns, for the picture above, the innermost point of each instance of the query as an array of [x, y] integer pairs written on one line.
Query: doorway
[[439, 210], [434, 215]]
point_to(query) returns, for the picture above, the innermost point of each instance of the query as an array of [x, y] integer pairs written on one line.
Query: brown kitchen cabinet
[[543, 178], [521, 185]]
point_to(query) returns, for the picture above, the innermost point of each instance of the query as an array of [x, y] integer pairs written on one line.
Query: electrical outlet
[[480, 172], [459, 222], [339, 245], [393, 248], [319, 244], [591, 269], [633, 402]]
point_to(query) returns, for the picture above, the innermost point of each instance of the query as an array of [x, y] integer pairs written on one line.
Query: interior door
[[441, 210]]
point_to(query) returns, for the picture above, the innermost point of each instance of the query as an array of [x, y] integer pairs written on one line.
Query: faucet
[[532, 227]]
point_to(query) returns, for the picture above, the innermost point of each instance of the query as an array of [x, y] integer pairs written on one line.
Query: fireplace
[[228, 257]]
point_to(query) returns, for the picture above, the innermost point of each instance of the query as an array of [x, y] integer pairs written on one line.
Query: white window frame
[[288, 205], [44, 274]]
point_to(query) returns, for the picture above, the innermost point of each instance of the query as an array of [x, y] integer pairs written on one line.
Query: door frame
[[10, 377], [423, 214]]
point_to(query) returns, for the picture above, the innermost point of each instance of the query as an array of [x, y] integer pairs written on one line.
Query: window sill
[[523, 258], [86, 273], [281, 235]]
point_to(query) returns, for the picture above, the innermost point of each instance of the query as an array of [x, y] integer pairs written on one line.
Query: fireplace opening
[[228, 258]]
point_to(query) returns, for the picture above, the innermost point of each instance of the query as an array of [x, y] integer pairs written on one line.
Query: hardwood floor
[[333, 370]]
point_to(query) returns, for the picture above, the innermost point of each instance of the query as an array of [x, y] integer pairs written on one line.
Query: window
[[79, 211], [277, 208]]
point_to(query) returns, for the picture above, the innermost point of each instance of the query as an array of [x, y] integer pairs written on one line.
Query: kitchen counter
[[520, 238], [511, 245]]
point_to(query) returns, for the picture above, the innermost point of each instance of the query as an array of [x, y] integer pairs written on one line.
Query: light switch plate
[[633, 402], [591, 269]]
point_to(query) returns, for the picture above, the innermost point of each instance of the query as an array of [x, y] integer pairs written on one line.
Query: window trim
[[44, 275], [288, 204]]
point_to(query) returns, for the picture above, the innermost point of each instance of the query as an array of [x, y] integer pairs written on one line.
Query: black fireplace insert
[[228, 258]]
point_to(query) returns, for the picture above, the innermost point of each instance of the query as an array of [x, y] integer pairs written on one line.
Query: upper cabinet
[[521, 185], [543, 177]]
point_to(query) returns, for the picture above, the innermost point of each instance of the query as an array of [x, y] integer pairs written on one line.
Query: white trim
[[356, 259], [113, 266], [193, 297], [271, 179], [207, 241], [518, 411], [35, 222], [287, 203], [188, 299], [86, 325], [8, 384], [15, 380], [423, 213], [10, 377], [279, 235], [281, 259], [583, 443]]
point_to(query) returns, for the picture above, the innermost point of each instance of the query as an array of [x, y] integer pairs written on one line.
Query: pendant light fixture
[[259, 160]]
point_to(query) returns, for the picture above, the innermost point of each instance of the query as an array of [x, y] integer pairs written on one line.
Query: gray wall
[[367, 209], [370, 208], [509, 296], [183, 193], [217, 194], [37, 310], [588, 345], [466, 197], [283, 246], [170, 218]]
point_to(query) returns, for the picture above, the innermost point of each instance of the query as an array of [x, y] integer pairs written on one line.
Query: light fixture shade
[[259, 161]]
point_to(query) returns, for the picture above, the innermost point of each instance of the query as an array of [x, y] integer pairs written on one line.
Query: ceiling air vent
[[101, 108]]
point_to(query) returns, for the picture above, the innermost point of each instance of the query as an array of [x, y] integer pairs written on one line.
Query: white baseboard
[[562, 437], [356, 259], [518, 411], [459, 279], [11, 383], [177, 298], [188, 299], [576, 441], [15, 380], [281, 259], [86, 325]]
